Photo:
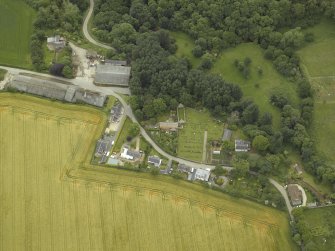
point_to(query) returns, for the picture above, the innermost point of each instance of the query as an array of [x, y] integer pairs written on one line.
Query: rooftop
[[111, 74], [184, 168], [242, 145], [154, 160], [295, 194], [202, 174]]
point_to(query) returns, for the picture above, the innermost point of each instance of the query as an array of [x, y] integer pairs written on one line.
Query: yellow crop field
[[51, 198]]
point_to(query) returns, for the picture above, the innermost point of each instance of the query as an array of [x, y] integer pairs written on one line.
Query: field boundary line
[[174, 196]]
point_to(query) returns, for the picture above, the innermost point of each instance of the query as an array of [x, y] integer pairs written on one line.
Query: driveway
[[282, 190], [86, 32], [304, 196]]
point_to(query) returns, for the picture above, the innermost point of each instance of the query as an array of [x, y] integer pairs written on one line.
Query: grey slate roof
[[134, 154], [104, 145], [109, 74], [92, 98], [55, 90], [116, 62], [70, 94], [38, 87], [154, 160]]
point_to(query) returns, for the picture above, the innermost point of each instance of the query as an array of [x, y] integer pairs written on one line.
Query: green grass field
[[16, 21], [53, 199], [185, 45], [319, 56], [268, 83], [318, 61], [191, 137], [318, 228]]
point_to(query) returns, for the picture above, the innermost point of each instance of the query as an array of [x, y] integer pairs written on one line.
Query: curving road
[[282, 190], [86, 32]]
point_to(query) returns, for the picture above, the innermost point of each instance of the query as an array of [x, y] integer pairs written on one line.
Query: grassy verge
[[123, 134]]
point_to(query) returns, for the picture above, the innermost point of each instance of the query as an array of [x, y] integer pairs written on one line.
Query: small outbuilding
[[56, 43], [242, 145]]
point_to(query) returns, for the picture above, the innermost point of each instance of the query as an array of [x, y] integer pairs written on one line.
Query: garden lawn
[[52, 198], [185, 45], [16, 25], [122, 135], [257, 87], [191, 137]]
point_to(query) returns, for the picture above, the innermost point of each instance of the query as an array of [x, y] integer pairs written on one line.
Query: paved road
[[282, 190], [86, 32]]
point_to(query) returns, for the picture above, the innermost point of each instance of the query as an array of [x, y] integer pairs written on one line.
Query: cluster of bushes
[[243, 67]]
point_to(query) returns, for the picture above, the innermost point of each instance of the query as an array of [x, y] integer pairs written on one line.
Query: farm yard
[[16, 19], [318, 60], [191, 138], [53, 199]]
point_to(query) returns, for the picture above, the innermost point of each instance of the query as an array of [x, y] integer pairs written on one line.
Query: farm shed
[[40, 87], [55, 90], [89, 97], [110, 74], [116, 62]]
